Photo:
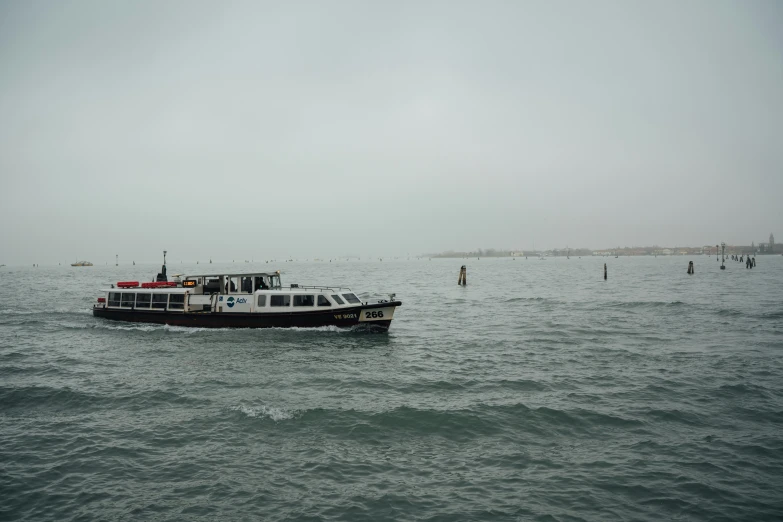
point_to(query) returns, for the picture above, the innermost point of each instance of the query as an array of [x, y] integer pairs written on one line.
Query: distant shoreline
[[762, 249]]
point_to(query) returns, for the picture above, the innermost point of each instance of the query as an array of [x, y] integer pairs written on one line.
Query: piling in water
[[463, 276], [604, 271], [690, 268]]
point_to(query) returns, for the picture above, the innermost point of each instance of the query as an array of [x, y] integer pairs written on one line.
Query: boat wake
[[144, 327]]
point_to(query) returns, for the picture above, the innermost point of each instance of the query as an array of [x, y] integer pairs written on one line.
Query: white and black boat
[[241, 300]]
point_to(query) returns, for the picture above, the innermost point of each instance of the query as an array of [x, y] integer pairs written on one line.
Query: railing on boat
[[313, 287]]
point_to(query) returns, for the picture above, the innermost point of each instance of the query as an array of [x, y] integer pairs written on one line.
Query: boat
[[81, 263], [241, 300]]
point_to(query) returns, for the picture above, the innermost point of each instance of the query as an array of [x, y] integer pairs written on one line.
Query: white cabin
[[231, 293]]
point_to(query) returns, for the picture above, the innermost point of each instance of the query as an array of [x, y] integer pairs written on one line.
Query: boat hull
[[359, 317]]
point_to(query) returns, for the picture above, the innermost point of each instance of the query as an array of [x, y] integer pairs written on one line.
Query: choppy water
[[538, 392]]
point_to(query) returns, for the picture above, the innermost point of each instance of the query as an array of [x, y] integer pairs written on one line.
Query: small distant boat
[[81, 263]]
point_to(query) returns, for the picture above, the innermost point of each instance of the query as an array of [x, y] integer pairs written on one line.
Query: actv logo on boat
[[230, 301]]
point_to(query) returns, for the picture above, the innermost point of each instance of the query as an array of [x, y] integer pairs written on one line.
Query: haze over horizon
[[256, 130]]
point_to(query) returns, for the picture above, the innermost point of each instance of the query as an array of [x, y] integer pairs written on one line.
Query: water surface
[[538, 392]]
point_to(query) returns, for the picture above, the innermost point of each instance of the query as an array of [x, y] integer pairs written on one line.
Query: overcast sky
[[263, 130]]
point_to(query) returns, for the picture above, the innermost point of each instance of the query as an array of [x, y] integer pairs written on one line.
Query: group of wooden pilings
[[750, 262], [462, 280]]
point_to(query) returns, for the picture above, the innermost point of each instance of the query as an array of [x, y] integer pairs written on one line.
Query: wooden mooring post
[[604, 271], [463, 276]]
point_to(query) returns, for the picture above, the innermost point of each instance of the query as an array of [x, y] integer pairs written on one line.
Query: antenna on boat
[[162, 275]]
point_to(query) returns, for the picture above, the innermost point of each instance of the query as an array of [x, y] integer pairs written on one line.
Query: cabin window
[[323, 301], [212, 286], [351, 298], [159, 300], [338, 299], [246, 284], [260, 284], [274, 281], [261, 301], [176, 301], [280, 300], [128, 300], [114, 299], [143, 300], [304, 300]]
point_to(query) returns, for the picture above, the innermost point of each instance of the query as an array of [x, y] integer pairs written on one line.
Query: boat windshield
[[274, 281]]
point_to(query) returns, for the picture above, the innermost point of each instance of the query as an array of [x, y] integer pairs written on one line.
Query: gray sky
[[262, 130]]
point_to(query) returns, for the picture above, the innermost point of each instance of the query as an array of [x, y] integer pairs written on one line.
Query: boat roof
[[165, 290], [231, 274]]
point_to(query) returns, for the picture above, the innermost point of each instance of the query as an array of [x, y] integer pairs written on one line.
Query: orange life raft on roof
[[160, 284]]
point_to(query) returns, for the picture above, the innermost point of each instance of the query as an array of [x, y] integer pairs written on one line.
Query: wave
[[439, 386], [331, 328], [768, 451], [517, 385], [61, 399], [509, 421], [38, 370], [263, 411], [26, 397], [56, 311], [738, 390], [126, 327], [18, 312], [72, 311], [15, 355], [674, 416], [675, 305], [645, 304], [523, 299]]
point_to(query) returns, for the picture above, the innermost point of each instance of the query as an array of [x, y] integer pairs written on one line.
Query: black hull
[[342, 318]]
